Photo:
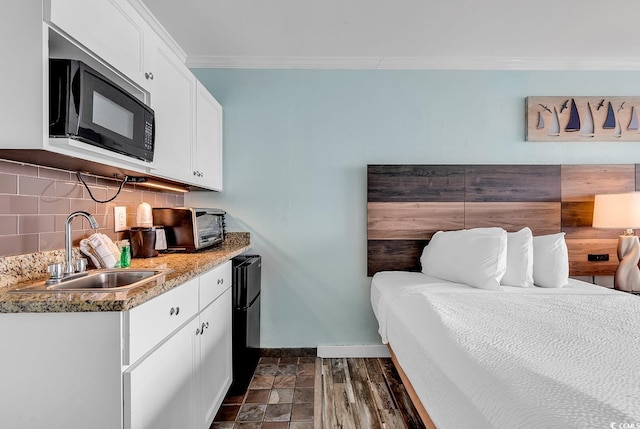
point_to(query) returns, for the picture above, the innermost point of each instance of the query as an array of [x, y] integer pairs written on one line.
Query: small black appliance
[[84, 105], [247, 273]]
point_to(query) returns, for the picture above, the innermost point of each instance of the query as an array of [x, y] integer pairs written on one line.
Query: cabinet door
[[208, 150], [23, 120], [111, 29], [214, 373], [172, 99], [159, 390]]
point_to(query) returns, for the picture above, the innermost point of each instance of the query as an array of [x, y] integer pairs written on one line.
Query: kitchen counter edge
[[185, 266]]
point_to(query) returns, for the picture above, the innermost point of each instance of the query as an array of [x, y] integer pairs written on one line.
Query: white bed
[[516, 357]]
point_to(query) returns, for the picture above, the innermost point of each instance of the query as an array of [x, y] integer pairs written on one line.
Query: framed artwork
[[582, 118]]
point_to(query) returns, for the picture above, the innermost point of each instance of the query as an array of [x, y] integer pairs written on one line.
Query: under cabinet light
[[158, 185]]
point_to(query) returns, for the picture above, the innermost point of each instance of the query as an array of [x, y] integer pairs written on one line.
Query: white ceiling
[[457, 34]]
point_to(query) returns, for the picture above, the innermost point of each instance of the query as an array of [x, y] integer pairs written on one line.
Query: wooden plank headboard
[[407, 204]]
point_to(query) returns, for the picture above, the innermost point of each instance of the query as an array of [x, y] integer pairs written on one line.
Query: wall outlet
[[120, 214], [597, 257]]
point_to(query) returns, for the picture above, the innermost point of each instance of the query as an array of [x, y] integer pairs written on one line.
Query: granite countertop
[[184, 265]]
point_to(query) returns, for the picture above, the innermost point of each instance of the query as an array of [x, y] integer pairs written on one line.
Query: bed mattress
[[516, 358]]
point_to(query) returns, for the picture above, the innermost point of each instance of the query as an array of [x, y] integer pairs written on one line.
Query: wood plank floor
[[315, 393], [365, 394]]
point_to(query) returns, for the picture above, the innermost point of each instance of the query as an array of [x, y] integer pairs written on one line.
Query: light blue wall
[[296, 146]]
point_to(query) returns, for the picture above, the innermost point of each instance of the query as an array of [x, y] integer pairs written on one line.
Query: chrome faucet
[[68, 259]]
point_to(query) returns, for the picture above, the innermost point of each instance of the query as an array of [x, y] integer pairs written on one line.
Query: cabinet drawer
[[213, 283], [148, 324]]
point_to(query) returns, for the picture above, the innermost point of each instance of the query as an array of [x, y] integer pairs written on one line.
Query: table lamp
[[622, 211]]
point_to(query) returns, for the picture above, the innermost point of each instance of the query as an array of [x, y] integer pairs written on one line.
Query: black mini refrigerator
[[246, 319]]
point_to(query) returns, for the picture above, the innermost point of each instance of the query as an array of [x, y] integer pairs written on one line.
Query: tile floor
[[280, 396]]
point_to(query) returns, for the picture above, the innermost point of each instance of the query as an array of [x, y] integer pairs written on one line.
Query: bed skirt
[[422, 412]]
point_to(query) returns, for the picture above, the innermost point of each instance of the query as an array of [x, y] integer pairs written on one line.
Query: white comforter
[[521, 358]]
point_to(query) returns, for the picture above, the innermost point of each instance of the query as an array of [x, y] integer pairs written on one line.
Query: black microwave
[[86, 106]]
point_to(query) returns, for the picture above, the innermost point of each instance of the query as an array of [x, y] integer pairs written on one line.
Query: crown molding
[[205, 61], [416, 63]]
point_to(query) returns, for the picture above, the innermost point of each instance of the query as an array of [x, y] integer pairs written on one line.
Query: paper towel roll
[[144, 217]]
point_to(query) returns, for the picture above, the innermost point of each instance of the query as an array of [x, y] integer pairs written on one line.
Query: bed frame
[[407, 204]]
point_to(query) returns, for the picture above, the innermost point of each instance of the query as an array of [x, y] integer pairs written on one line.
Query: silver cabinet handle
[[220, 281], [173, 311], [148, 76], [200, 331]]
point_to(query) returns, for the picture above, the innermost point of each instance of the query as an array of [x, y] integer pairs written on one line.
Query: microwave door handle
[[57, 105], [153, 133]]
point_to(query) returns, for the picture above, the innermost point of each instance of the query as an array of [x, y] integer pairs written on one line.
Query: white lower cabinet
[[214, 357], [163, 364], [160, 390], [181, 383], [61, 370]]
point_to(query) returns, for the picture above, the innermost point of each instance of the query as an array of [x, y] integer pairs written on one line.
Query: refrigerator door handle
[[250, 304]]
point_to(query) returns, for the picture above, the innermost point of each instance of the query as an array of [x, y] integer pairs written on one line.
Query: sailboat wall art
[[578, 118]]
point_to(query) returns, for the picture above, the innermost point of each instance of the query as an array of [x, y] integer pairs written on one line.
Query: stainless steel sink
[[106, 280]]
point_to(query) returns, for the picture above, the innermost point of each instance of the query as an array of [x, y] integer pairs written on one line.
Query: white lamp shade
[[617, 211]]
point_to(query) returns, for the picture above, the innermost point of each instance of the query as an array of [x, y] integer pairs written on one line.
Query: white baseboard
[[359, 351]]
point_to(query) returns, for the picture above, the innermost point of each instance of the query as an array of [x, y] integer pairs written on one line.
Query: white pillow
[[550, 260], [519, 259], [477, 257]]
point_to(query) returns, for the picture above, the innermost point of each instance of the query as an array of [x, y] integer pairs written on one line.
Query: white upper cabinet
[[23, 109], [182, 154], [122, 40], [111, 29], [173, 101], [207, 157]]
